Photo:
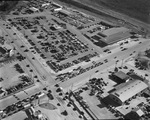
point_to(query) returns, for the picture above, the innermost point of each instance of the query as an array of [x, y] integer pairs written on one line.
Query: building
[[135, 114], [120, 77], [34, 9], [56, 5], [64, 12], [115, 34], [45, 4], [57, 9], [125, 91], [2, 50]]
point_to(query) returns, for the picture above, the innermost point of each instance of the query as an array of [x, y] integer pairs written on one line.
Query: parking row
[[25, 83], [65, 76], [20, 105], [56, 67]]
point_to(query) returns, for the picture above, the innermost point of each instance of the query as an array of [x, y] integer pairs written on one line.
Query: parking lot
[[57, 45], [52, 46]]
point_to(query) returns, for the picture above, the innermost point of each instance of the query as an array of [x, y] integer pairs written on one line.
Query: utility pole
[[122, 63]]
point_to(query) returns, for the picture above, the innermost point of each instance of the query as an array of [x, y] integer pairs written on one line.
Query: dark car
[[106, 50], [50, 96]]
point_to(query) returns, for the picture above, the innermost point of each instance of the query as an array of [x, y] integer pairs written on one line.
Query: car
[[50, 96], [32, 98], [121, 43], [26, 100], [105, 60], [101, 63], [126, 42], [106, 50], [124, 49], [26, 50], [22, 46], [125, 67]]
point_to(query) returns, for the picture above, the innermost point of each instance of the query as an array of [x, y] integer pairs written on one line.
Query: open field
[[138, 9], [110, 15]]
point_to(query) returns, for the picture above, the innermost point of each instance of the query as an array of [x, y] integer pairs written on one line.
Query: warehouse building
[[126, 91], [111, 35], [115, 34]]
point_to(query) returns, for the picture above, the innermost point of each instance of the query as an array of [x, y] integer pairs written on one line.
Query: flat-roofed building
[[125, 91]]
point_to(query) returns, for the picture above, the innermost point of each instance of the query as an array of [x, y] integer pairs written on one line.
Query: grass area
[[7, 5], [138, 9]]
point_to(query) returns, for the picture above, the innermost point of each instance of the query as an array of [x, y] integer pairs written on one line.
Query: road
[[121, 55], [17, 39], [37, 68]]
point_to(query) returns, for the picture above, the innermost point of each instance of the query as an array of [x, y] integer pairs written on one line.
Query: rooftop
[[66, 12], [139, 112], [121, 75], [127, 90], [115, 30], [116, 34], [21, 115], [2, 50]]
